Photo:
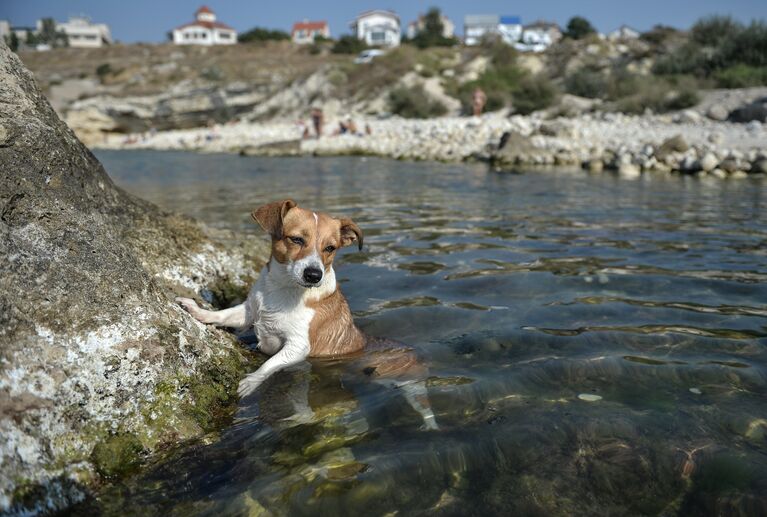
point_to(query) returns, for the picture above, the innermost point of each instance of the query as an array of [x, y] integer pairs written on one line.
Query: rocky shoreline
[[686, 142]]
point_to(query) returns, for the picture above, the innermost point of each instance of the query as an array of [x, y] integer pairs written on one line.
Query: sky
[[150, 20]]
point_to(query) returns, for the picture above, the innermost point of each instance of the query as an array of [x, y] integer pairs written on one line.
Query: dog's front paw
[[429, 424], [247, 386], [188, 304], [191, 307]]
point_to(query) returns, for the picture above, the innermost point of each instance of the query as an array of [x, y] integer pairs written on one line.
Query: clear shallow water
[[526, 294]]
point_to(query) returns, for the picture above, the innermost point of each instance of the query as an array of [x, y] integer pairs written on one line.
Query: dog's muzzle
[[312, 275]]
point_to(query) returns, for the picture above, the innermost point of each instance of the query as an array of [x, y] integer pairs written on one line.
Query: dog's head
[[303, 241]]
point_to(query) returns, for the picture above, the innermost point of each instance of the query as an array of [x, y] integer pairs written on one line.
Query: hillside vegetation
[[126, 88]]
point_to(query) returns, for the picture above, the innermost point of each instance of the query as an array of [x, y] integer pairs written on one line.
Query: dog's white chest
[[275, 322], [281, 315]]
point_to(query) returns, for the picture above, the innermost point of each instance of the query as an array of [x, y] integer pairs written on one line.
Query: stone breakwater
[[685, 142]]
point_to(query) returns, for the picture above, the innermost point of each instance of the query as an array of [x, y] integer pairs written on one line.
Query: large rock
[[98, 366], [514, 148], [717, 112], [675, 144], [181, 107], [756, 110]]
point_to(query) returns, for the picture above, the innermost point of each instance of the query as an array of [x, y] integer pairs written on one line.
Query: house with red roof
[[204, 30], [305, 31]]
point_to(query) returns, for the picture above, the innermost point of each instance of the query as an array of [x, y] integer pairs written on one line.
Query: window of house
[[378, 37], [204, 35], [224, 35]]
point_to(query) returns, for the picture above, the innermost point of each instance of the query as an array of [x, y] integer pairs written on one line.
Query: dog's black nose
[[312, 275]]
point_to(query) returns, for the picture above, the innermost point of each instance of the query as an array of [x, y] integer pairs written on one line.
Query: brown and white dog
[[298, 311]]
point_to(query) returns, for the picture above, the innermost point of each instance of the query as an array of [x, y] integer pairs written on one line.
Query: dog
[[298, 311]]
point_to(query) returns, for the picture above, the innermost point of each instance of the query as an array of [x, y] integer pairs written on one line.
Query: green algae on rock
[[99, 366]]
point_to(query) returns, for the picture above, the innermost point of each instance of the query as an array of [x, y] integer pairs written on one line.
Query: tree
[[712, 31], [578, 28], [13, 42], [48, 34], [432, 33], [348, 44], [262, 34]]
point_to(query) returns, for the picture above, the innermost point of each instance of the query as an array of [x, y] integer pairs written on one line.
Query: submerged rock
[[98, 365]]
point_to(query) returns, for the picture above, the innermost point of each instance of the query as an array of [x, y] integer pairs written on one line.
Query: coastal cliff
[[99, 367]]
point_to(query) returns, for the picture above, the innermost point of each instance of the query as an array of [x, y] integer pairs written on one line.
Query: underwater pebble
[[589, 397], [696, 391]]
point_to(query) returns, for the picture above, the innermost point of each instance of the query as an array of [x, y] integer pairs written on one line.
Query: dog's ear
[[270, 216], [350, 233]]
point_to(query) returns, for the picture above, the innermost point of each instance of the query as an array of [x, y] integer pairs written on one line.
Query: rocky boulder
[[514, 148], [754, 111], [181, 107], [98, 365], [675, 144]]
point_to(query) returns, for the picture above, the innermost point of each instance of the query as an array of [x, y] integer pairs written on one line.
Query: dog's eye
[[297, 240], [330, 249]]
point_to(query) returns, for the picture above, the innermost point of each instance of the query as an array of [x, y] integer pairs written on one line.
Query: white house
[[377, 28], [622, 33], [305, 31], [81, 32], [5, 29], [205, 30], [478, 26], [416, 26], [539, 36], [510, 29]]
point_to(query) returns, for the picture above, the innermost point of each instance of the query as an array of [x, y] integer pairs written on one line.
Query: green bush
[[212, 73], [501, 55], [414, 103], [498, 83], [659, 34], [711, 31], [103, 70], [658, 94], [578, 28], [586, 82], [623, 83], [716, 44], [431, 35], [741, 76], [749, 46], [533, 94], [261, 34], [348, 44]]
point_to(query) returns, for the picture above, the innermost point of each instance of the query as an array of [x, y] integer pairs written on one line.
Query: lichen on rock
[[98, 365]]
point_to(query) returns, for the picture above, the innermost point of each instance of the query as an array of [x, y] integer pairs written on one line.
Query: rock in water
[[628, 170], [675, 144], [708, 162], [98, 365], [759, 166]]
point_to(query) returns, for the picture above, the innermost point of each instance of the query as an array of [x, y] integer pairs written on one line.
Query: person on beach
[[478, 100], [317, 120], [351, 127], [303, 128]]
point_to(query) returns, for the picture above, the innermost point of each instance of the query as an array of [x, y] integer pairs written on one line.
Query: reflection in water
[[594, 346]]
